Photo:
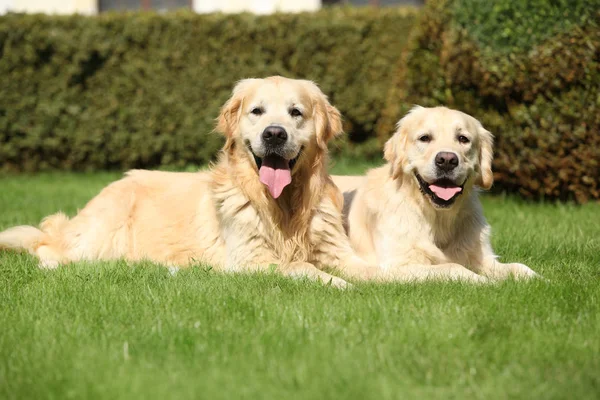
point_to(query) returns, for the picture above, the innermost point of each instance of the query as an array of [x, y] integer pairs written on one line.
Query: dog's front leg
[[294, 269], [352, 266], [494, 269], [485, 262], [304, 269], [337, 253], [425, 272], [421, 260], [331, 246]]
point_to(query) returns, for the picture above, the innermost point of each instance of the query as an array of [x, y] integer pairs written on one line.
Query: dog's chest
[[442, 237], [454, 236], [443, 234], [240, 219], [252, 233]]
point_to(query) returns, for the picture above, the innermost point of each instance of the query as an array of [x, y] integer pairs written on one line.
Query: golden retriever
[[419, 216], [268, 200]]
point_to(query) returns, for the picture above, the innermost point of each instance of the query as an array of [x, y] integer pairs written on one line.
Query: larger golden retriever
[[419, 216], [269, 199]]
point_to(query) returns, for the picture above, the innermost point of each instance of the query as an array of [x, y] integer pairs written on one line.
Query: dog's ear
[[329, 124], [485, 178], [393, 152], [228, 120], [328, 120]]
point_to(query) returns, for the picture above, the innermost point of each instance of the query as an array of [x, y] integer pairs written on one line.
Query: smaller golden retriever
[[419, 216], [268, 200]]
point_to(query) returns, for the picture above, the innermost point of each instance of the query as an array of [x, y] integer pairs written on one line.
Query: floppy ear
[[485, 179], [393, 151], [227, 122], [329, 124], [328, 120]]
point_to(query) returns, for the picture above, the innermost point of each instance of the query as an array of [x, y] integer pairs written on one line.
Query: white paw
[[48, 264], [338, 283], [522, 271], [477, 279], [463, 274]]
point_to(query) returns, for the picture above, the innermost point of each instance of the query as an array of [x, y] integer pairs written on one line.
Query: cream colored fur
[[224, 217], [391, 222]]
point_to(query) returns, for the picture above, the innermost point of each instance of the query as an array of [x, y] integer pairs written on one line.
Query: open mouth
[[443, 192], [275, 171]]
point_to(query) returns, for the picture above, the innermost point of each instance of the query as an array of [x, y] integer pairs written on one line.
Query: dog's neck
[[444, 224], [292, 210]]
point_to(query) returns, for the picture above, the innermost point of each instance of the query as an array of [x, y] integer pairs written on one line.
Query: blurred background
[[91, 85], [92, 7]]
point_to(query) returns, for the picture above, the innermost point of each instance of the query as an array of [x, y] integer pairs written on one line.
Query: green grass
[[109, 330]]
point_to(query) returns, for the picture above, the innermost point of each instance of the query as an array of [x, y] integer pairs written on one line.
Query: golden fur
[[393, 222], [224, 217]]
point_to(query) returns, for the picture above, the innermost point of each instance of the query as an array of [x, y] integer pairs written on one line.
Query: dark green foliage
[[511, 25], [143, 90], [542, 104]]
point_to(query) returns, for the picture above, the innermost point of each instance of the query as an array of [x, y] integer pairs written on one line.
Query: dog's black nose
[[446, 161], [274, 135]]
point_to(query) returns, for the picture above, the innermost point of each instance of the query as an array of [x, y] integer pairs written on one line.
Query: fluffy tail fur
[[21, 237], [30, 238]]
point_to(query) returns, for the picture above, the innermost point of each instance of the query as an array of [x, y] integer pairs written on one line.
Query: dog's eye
[[463, 139], [294, 112], [257, 111], [425, 138]]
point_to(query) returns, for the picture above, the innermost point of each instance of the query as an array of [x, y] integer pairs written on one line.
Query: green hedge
[[539, 94], [143, 90], [507, 26]]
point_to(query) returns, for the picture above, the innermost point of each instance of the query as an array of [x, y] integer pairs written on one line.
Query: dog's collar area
[[445, 183]]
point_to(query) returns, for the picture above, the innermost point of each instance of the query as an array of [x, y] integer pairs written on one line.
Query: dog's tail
[[21, 237], [29, 238]]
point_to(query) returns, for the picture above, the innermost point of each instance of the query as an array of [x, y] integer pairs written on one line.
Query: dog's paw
[[479, 279], [460, 273], [522, 271], [48, 264], [338, 283]]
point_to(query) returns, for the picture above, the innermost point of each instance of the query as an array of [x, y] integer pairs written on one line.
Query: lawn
[[109, 330]]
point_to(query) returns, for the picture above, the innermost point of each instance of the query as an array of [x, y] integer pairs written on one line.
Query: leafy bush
[[519, 25], [540, 99], [143, 90]]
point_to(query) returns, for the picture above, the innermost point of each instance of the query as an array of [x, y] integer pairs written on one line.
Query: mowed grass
[[116, 331]]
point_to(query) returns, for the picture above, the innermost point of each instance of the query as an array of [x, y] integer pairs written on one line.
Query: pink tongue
[[275, 173], [445, 193]]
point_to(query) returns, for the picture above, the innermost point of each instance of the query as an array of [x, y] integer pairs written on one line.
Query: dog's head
[[281, 125], [445, 152]]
